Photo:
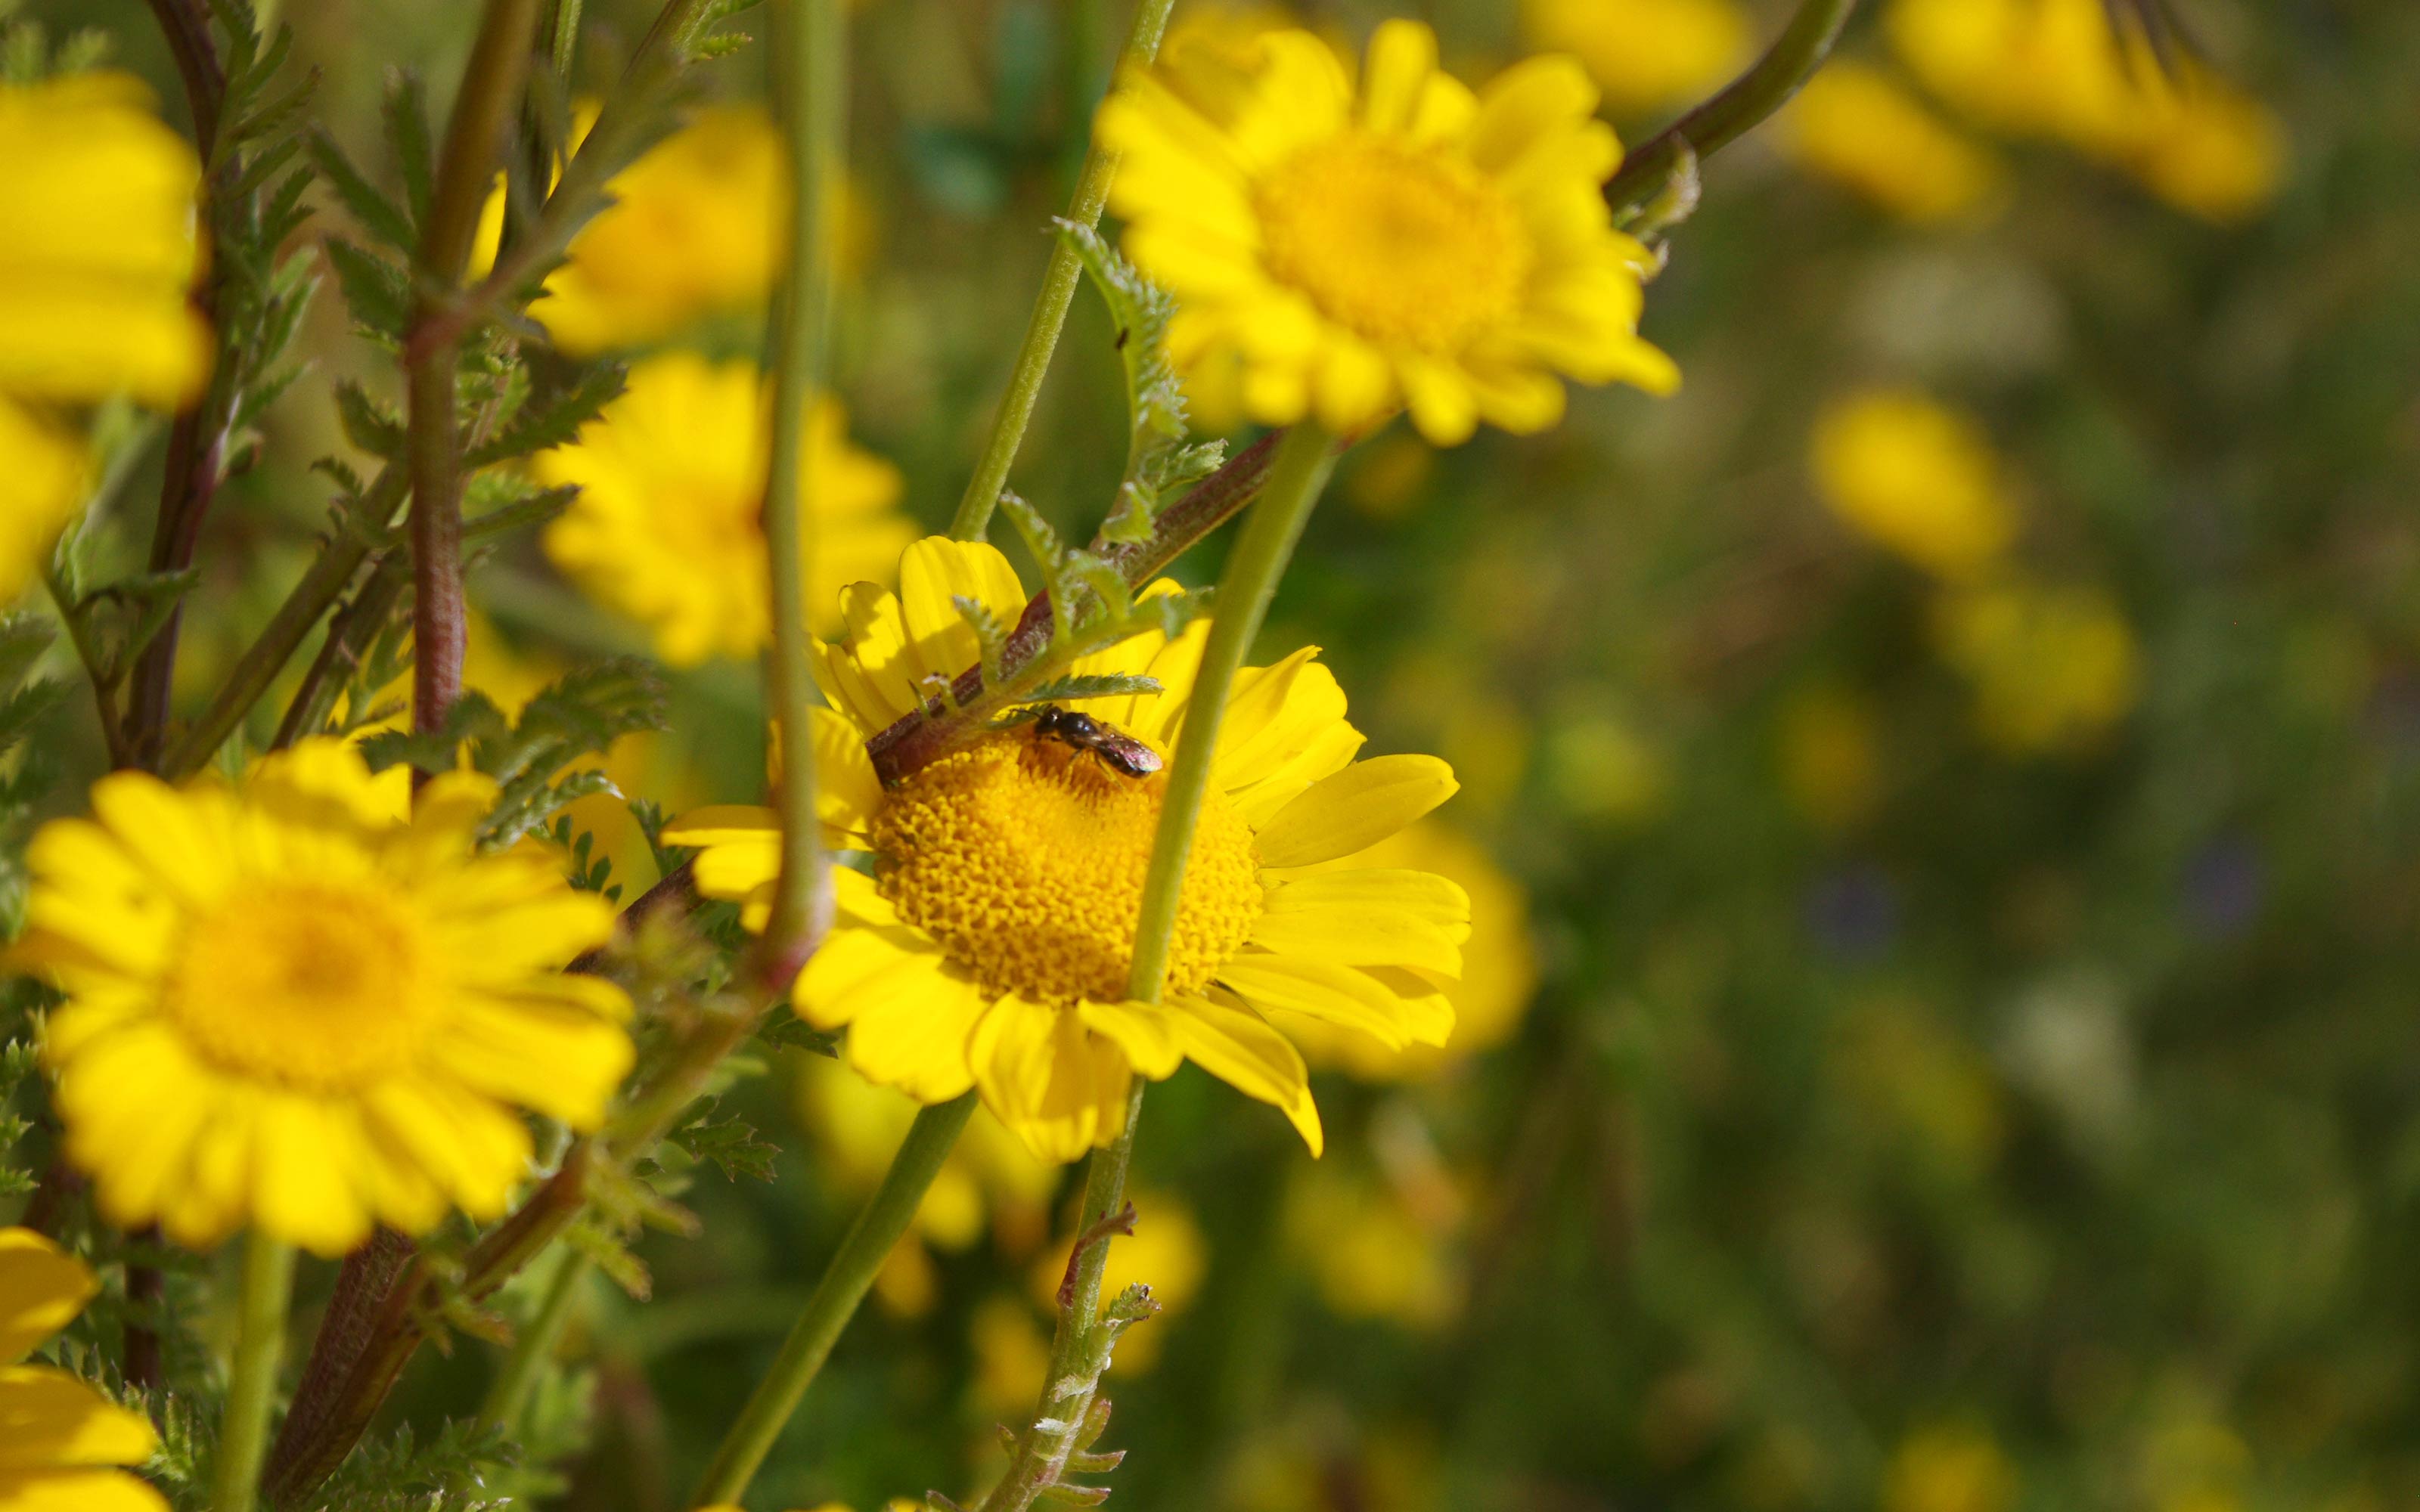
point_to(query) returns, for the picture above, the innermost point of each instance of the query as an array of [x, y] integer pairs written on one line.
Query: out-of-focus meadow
[[1941, 793]]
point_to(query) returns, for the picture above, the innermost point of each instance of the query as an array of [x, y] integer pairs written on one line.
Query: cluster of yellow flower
[[2049, 70], [2053, 666]]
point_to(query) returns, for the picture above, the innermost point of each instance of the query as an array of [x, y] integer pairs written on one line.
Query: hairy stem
[[1298, 473], [1042, 1456], [1764, 89], [1050, 308], [843, 1286], [252, 1385]]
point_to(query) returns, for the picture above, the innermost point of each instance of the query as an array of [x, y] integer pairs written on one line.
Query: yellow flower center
[[1025, 859], [1406, 248], [322, 986]]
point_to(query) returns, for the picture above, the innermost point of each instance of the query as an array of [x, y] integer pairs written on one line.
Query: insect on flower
[[1121, 752]]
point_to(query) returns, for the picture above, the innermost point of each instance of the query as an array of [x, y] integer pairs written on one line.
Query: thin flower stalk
[[533, 1346], [837, 1294], [1730, 113], [252, 1386], [1296, 476], [1059, 277]]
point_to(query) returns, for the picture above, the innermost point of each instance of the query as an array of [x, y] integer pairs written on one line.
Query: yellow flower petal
[[1058, 1087], [42, 1287], [1339, 994], [1236, 1045], [79, 1490], [1140, 1030], [913, 1032], [1353, 810]]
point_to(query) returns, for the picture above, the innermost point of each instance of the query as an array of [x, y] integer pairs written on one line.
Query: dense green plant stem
[[1300, 471], [1051, 309], [1764, 89], [252, 1384], [1042, 1456], [843, 1286], [810, 79], [533, 1346]]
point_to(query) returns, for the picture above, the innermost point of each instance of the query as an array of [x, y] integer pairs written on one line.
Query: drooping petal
[[1353, 810], [1237, 1046]]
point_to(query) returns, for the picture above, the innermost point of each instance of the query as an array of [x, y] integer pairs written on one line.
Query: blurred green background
[[1953, 887]]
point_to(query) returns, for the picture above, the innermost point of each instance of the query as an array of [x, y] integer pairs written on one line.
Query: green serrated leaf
[[376, 292], [373, 427], [552, 415], [378, 213], [406, 114], [991, 640], [1075, 687]]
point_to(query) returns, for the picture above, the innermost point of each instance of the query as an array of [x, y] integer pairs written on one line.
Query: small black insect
[[1120, 753]]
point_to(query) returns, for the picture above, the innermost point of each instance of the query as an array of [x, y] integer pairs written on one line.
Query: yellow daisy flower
[[671, 481], [989, 945], [1405, 243], [59, 1438], [288, 1006]]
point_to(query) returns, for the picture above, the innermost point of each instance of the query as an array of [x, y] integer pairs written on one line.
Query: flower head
[[290, 1006], [62, 1436], [670, 479], [989, 943], [2053, 667], [1406, 242]]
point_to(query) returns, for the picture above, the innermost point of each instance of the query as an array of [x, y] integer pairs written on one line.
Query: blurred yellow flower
[[1914, 476], [290, 1006], [1852, 125], [45, 475], [1948, 1468], [672, 482], [1644, 53], [64, 1437], [2055, 68], [95, 264], [1924, 1081], [1831, 757], [2053, 667], [991, 947], [1499, 966], [100, 247], [1405, 243], [698, 226], [1370, 1255]]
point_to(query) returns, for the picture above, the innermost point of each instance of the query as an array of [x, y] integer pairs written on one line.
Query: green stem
[[252, 1386], [811, 95], [322, 585], [533, 1346], [1051, 309], [836, 1295], [1304, 459], [1747, 100], [1042, 1454], [1303, 462]]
